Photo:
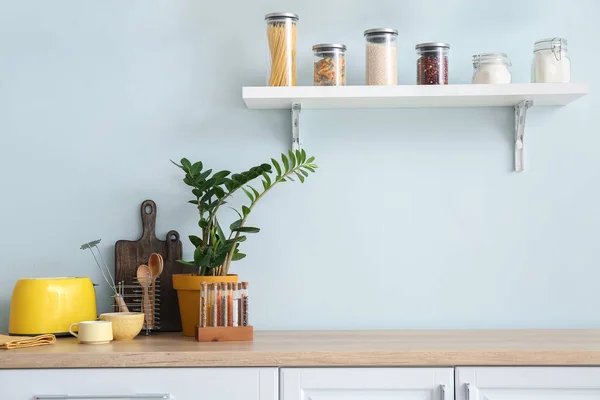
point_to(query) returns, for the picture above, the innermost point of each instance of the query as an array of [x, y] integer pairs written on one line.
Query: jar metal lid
[[281, 15], [552, 41], [432, 45], [491, 58], [329, 46], [376, 31], [556, 45]]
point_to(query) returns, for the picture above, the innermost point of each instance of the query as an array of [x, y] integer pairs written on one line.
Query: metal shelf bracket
[[295, 111], [520, 114]]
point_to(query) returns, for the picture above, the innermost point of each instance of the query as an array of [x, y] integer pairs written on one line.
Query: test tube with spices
[[235, 303], [229, 304], [203, 301], [208, 307], [245, 304], [219, 314], [214, 321], [224, 301]]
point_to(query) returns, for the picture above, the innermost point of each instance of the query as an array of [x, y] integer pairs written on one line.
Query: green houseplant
[[215, 248]]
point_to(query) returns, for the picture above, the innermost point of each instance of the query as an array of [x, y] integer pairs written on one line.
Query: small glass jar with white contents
[[551, 63], [491, 68]]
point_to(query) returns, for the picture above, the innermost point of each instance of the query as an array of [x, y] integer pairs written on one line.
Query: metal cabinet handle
[[102, 396], [468, 391], [443, 391]]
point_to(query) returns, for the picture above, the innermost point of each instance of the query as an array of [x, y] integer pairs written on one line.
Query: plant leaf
[[193, 202], [187, 165], [267, 178], [248, 194], [177, 165], [245, 210], [290, 178], [256, 194], [237, 256], [219, 192], [303, 155], [299, 176], [238, 213], [303, 172], [196, 168], [276, 164], [190, 264], [292, 158], [240, 239], [196, 241], [220, 232], [286, 163], [310, 160], [197, 256], [309, 168], [248, 229], [221, 174], [299, 156], [236, 225]]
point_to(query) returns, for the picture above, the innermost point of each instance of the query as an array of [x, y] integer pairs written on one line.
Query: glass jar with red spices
[[432, 63]]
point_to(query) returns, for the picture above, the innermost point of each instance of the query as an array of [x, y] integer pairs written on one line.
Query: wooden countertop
[[324, 348]]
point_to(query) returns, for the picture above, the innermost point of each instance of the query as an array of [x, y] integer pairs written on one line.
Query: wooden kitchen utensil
[[144, 278], [155, 263], [131, 254]]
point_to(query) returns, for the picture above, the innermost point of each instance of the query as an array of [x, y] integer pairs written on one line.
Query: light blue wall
[[415, 218]]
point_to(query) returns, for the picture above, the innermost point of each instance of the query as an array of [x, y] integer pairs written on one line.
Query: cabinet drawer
[[126, 383], [528, 383], [367, 383]]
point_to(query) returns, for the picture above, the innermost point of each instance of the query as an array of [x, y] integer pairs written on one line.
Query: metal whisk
[[105, 271]]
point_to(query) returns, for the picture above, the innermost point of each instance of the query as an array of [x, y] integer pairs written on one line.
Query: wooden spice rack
[[225, 334]]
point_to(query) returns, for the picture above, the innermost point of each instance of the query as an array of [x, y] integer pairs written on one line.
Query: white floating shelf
[[327, 97], [521, 96]]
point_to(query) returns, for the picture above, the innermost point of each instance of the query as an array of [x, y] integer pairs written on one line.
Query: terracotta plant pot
[[188, 295]]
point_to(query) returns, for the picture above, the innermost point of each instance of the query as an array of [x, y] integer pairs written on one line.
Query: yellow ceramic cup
[[125, 325], [92, 332]]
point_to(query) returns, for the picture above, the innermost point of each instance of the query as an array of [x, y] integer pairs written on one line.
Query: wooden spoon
[[155, 263], [144, 277]]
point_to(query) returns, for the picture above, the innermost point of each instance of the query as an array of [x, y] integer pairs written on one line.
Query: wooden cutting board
[[129, 255]]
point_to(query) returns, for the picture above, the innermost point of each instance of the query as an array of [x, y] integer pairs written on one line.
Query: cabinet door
[[367, 383], [140, 384], [535, 383]]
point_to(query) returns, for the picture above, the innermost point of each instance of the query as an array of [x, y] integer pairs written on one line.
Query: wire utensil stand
[[142, 296]]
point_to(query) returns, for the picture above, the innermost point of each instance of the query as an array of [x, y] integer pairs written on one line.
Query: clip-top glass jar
[[550, 61], [281, 38], [432, 64], [382, 56], [491, 68], [330, 64]]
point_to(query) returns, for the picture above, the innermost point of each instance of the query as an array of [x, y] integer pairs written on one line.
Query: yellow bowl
[[125, 325]]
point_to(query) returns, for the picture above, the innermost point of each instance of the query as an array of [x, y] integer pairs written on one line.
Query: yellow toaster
[[50, 305]]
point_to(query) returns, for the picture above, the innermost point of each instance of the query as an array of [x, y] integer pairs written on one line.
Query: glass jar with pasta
[[330, 64], [281, 39]]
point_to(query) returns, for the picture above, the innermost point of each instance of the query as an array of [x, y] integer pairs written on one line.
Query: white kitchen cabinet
[[367, 383], [116, 383], [528, 383]]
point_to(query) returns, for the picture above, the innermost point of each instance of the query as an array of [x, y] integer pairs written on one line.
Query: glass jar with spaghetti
[[281, 39], [330, 64]]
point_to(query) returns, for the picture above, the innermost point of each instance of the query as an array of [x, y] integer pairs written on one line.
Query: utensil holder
[[138, 300]]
